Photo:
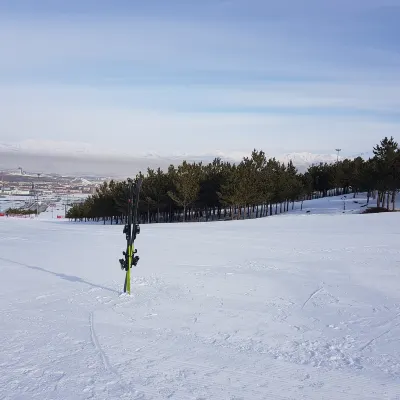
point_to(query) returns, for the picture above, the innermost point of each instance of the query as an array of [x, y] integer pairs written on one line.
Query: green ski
[[131, 229]]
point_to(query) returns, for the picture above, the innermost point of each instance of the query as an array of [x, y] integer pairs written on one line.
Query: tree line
[[255, 187], [19, 211]]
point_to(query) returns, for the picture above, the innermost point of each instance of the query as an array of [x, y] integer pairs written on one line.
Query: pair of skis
[[131, 229]]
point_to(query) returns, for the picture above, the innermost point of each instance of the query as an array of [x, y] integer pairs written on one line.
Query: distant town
[[38, 192]]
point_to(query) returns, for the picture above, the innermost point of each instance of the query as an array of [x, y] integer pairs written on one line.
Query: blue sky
[[200, 77]]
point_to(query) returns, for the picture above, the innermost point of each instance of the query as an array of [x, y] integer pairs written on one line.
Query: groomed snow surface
[[297, 306]]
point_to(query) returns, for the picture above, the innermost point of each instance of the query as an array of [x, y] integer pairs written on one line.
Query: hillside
[[298, 306]]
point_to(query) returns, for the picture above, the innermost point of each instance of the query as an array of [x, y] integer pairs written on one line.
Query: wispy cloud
[[200, 76], [137, 131]]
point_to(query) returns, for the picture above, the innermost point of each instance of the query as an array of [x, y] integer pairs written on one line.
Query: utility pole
[[37, 196], [67, 202]]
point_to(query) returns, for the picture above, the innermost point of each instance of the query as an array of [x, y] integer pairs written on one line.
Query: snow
[[305, 159], [296, 306]]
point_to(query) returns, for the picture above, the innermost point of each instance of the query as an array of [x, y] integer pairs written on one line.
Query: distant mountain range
[[41, 153], [47, 147]]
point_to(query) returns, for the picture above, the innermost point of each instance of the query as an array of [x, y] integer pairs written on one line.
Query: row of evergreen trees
[[19, 211], [255, 187]]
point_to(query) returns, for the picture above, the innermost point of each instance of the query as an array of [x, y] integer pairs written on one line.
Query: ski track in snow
[[222, 317], [97, 346], [378, 337], [315, 292]]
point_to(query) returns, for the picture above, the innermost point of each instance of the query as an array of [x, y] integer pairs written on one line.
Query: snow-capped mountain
[[46, 147], [87, 152], [304, 159], [9, 147], [81, 182], [307, 158], [41, 147], [300, 160]]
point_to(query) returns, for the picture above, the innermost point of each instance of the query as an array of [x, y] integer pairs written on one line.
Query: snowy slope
[[299, 306], [347, 204]]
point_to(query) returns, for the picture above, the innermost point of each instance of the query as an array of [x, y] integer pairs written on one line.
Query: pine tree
[[187, 186], [386, 166]]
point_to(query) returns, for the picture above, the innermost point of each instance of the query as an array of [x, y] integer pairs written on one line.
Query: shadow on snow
[[70, 278]]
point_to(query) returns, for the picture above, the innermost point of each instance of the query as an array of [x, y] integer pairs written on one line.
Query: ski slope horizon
[[296, 306]]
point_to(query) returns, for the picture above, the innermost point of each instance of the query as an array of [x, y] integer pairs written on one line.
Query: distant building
[[17, 192]]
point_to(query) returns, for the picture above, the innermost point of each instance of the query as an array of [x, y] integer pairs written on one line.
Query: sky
[[199, 77]]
